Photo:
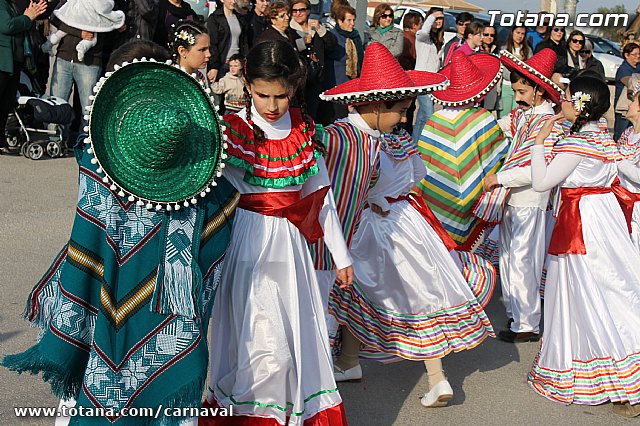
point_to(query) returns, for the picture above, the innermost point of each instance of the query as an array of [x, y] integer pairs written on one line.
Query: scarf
[[354, 49], [383, 30]]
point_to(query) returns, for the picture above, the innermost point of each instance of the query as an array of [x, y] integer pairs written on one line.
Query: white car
[[609, 62]]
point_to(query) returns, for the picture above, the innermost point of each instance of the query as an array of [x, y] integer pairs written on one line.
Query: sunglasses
[[577, 41], [386, 15], [488, 35], [283, 17], [585, 52], [558, 30], [302, 10], [440, 19], [462, 24]]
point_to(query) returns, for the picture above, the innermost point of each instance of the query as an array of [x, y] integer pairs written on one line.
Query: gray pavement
[[37, 209]]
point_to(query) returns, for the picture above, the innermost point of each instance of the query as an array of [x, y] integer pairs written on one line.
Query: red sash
[[303, 213], [421, 206], [567, 233]]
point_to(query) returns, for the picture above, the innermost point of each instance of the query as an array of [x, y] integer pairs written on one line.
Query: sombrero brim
[[489, 66], [351, 93], [512, 62], [117, 150]]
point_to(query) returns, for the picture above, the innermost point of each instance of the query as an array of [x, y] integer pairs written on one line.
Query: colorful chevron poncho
[[102, 342], [459, 147]]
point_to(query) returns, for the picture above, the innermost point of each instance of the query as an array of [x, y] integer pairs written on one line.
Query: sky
[[584, 6]]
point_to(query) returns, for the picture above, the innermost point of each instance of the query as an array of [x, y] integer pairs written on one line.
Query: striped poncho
[[459, 147], [524, 128], [352, 161]]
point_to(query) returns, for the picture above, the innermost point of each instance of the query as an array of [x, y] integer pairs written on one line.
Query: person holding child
[[232, 86]]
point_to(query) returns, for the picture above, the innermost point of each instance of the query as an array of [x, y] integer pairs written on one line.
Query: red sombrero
[[383, 79], [538, 68], [471, 77]]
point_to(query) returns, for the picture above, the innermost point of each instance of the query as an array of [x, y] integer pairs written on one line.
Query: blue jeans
[[425, 111], [65, 73]]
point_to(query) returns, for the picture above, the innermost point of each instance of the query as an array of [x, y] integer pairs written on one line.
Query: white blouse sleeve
[[333, 235], [544, 177], [516, 177], [629, 170]]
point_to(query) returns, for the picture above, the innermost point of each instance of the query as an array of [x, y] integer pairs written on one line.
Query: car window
[[450, 23], [397, 16]]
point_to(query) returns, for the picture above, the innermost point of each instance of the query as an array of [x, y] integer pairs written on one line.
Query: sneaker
[[439, 396], [353, 374], [626, 409]]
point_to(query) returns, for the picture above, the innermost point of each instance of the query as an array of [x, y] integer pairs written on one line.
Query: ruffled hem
[[278, 162], [332, 416], [590, 382], [480, 274], [282, 182], [410, 336]]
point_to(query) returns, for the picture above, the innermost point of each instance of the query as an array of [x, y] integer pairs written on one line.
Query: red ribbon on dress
[[567, 233], [303, 213], [421, 206]]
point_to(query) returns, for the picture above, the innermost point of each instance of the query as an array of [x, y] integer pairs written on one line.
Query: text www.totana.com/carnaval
[[155, 412], [525, 18]]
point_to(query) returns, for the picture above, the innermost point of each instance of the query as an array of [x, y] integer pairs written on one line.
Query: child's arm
[[629, 170], [220, 86], [333, 234], [544, 178]]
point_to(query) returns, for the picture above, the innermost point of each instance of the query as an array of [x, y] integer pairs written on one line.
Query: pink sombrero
[[383, 79], [471, 77], [538, 68]]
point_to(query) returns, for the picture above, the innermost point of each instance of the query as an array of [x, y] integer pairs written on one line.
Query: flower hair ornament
[[184, 35], [580, 100]]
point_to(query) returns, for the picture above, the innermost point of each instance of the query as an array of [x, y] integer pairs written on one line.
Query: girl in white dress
[[629, 146], [270, 358], [590, 352]]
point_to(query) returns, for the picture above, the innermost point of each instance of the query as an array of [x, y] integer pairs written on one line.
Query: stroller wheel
[[24, 149], [54, 150], [13, 141], [35, 151]]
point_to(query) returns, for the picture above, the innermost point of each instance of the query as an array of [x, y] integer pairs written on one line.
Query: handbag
[[314, 68]]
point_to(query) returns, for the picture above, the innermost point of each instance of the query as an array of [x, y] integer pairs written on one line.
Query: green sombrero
[[155, 135]]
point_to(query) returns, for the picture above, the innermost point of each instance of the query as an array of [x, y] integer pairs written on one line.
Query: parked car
[[605, 46]]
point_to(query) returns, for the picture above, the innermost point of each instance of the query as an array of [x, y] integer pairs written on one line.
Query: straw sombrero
[[471, 78], [383, 79], [538, 68], [155, 135]]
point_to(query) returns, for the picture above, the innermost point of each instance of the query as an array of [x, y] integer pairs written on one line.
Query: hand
[[546, 129], [211, 75], [35, 9], [123, 28], [378, 210], [308, 39], [491, 182], [438, 14], [87, 35], [313, 24], [345, 276]]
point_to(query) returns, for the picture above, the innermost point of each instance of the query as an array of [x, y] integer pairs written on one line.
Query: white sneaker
[[353, 374], [439, 396]]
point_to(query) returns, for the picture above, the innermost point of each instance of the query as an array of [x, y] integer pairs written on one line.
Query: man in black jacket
[[256, 21]]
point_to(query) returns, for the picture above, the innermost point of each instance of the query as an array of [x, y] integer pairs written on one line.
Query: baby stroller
[[36, 125]]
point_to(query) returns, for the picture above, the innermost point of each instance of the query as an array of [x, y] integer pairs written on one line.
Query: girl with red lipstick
[[270, 359]]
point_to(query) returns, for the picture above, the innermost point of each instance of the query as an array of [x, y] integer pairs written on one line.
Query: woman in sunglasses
[[383, 31], [555, 40], [490, 45], [575, 44]]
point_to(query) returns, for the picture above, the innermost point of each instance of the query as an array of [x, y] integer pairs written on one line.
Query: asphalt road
[[36, 211]]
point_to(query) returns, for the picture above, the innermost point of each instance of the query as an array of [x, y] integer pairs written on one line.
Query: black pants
[[8, 88]]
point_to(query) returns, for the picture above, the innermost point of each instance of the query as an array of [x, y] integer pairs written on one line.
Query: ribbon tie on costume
[[567, 234], [303, 213], [421, 206]]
